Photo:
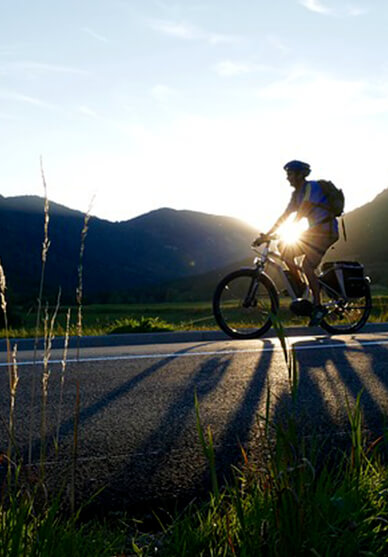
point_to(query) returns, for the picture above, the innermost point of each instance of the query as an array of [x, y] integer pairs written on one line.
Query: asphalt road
[[136, 420]]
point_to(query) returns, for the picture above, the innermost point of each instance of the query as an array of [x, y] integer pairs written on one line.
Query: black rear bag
[[348, 275]]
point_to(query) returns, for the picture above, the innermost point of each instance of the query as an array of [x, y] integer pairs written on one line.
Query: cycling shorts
[[313, 244]]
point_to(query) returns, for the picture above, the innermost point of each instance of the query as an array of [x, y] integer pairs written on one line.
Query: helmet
[[298, 166]]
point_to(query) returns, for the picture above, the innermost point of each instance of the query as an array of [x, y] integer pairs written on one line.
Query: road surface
[[136, 419]]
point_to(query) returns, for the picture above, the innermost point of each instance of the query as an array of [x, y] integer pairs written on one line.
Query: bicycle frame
[[270, 258]]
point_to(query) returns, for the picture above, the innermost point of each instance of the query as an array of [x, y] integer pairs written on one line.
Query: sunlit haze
[[291, 230], [192, 104]]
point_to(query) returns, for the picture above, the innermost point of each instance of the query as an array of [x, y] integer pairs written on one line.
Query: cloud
[[320, 7], [321, 96], [30, 66], [83, 109], [9, 49], [355, 11], [315, 6], [228, 68], [277, 43], [26, 99], [97, 36], [4, 116], [163, 93], [179, 30], [185, 31]]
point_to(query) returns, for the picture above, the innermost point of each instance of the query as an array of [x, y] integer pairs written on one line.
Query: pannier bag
[[345, 277]]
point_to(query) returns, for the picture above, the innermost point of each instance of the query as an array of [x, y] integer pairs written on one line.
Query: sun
[[291, 230]]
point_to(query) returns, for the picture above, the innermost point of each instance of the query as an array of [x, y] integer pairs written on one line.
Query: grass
[[107, 319], [291, 499], [29, 530], [104, 319], [290, 504]]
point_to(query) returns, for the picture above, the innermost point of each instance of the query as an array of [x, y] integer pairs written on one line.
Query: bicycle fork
[[250, 298]]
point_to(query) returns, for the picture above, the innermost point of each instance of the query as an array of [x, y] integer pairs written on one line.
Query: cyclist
[[308, 200]]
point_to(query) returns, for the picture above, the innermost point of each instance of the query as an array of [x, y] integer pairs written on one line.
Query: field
[[120, 318]]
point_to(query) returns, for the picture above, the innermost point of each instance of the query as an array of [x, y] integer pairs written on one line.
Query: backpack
[[335, 197]]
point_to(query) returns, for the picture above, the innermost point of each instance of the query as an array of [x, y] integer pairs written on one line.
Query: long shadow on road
[[178, 471], [108, 399], [330, 377]]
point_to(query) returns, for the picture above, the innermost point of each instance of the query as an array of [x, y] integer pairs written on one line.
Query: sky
[[192, 104]]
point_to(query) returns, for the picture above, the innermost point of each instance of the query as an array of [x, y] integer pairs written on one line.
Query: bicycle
[[245, 299]]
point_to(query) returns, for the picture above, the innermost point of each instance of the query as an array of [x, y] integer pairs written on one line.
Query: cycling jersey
[[315, 211]]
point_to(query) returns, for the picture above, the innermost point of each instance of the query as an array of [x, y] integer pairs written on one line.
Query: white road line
[[173, 355]]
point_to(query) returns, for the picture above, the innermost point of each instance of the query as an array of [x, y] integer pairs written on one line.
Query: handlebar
[[264, 239]]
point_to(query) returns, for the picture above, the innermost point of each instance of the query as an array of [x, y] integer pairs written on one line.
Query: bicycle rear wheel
[[346, 315], [243, 303]]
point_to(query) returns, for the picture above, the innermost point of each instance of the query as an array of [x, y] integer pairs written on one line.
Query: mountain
[[162, 255], [122, 261]]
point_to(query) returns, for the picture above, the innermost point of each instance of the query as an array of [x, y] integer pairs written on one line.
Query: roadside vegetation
[[100, 319]]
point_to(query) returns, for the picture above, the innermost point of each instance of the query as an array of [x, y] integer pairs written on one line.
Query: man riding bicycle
[[308, 201]]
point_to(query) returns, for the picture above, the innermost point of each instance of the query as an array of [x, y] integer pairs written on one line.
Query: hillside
[[367, 232], [162, 255], [120, 258]]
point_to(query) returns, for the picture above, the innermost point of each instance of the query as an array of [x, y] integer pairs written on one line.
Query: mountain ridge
[[154, 256], [119, 257]]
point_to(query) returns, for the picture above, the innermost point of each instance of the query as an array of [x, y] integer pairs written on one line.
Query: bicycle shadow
[[163, 458], [182, 452], [332, 372], [88, 412]]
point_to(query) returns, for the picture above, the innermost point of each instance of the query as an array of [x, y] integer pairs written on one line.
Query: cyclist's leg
[[315, 246], [289, 252], [309, 270]]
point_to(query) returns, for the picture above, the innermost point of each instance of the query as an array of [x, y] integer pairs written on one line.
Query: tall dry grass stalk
[[3, 303], [79, 289], [75, 450], [63, 370], [45, 248], [48, 339], [12, 369], [13, 383]]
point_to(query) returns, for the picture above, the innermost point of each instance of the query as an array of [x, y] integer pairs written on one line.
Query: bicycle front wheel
[[346, 315], [243, 303]]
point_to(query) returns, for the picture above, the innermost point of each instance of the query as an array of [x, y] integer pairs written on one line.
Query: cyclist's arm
[[291, 208], [280, 221]]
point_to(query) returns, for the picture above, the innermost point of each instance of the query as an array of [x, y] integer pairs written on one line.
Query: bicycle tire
[[245, 321], [363, 305]]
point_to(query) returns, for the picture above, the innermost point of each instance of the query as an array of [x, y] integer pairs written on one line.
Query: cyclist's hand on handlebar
[[260, 240]]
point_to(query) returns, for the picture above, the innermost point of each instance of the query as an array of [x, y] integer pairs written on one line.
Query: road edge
[[172, 337]]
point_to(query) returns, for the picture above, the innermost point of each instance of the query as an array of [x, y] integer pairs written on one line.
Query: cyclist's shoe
[[301, 307], [318, 313]]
